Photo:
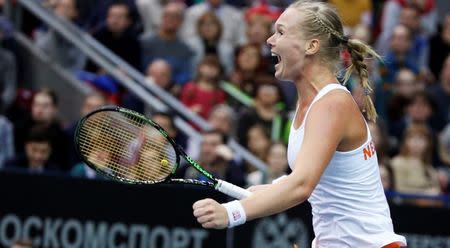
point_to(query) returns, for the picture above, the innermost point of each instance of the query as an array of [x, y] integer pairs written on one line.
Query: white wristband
[[236, 213], [276, 180]]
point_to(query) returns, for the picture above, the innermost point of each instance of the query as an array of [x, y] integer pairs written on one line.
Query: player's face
[[288, 46]]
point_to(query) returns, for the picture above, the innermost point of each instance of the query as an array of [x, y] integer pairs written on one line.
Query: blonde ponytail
[[358, 52]]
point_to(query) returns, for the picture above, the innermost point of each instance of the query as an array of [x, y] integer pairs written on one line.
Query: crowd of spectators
[[191, 48]]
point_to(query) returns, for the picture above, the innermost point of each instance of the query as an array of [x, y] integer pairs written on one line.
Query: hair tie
[[366, 91]]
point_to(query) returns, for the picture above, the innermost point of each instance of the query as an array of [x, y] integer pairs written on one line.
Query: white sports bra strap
[[319, 95]]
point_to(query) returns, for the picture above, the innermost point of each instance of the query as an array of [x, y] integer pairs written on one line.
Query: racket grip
[[232, 190]]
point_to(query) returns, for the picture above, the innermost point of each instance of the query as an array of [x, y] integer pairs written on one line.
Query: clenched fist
[[210, 214]]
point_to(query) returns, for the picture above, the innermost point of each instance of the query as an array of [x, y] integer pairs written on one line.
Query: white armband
[[277, 180], [236, 213]]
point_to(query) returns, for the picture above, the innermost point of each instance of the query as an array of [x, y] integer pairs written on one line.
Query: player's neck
[[315, 77]]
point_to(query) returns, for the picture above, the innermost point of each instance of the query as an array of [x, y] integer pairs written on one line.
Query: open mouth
[[275, 58]]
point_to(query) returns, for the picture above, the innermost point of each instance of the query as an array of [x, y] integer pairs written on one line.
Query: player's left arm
[[325, 128]]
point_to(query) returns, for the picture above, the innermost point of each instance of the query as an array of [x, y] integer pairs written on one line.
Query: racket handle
[[232, 190]]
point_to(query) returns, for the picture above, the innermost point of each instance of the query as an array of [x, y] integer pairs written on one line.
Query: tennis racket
[[128, 147]]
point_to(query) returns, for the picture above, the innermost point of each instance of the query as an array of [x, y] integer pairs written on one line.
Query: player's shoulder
[[338, 99], [337, 107]]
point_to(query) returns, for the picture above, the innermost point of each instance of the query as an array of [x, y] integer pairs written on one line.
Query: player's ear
[[312, 47]]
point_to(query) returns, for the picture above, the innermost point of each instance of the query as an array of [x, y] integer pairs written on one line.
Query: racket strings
[[136, 172], [157, 145], [139, 170], [126, 147]]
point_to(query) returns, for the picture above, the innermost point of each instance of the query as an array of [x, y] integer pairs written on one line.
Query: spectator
[[399, 56], [264, 111], [264, 9], [44, 110], [93, 15], [92, 102], [9, 55], [418, 48], [81, 170], [150, 12], [250, 69], [426, 18], [166, 45], [38, 149], [405, 86], [85, 10], [400, 53], [56, 46], [231, 18], [410, 17], [101, 157], [259, 29], [8, 84], [222, 119], [444, 145], [159, 72], [363, 33], [118, 36], [382, 146], [166, 121], [217, 158], [419, 111], [440, 93], [444, 155], [204, 93], [6, 140], [7, 40], [440, 47], [412, 168], [258, 142], [102, 83], [9, 65], [207, 42], [277, 166]]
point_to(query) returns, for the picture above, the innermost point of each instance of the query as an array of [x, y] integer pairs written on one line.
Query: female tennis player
[[331, 154]]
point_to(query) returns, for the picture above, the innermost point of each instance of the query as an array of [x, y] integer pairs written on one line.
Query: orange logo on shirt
[[369, 151]]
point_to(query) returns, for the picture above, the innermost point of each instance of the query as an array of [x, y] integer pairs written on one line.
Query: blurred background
[[203, 71]]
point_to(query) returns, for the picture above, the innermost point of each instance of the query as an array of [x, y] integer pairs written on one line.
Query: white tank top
[[348, 204]]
